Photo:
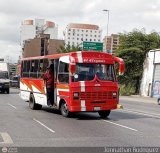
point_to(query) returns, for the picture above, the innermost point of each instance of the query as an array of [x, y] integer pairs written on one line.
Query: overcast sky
[[125, 15]]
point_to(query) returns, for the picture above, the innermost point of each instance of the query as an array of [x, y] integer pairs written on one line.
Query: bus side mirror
[[121, 65], [72, 68], [121, 68]]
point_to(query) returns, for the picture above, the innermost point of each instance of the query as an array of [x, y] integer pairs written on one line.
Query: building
[[150, 83], [12, 69], [18, 69], [33, 28], [41, 46], [111, 43], [75, 34]]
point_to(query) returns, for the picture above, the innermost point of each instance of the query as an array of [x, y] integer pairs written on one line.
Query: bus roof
[[54, 56], [87, 54]]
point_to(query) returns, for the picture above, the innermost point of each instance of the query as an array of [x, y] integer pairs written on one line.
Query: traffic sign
[[98, 46]]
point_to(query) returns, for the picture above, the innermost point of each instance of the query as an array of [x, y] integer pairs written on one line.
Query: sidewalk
[[139, 98]]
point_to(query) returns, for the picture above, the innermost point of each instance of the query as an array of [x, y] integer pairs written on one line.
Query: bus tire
[[104, 114], [32, 103], [64, 109]]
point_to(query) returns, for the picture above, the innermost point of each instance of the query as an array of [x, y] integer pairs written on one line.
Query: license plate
[[97, 108]]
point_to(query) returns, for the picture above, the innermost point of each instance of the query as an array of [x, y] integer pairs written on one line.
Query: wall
[[54, 44], [32, 48], [149, 85]]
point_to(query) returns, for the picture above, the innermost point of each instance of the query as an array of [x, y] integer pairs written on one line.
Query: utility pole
[[107, 11]]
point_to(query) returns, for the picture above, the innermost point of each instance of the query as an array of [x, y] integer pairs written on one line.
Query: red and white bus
[[85, 81]]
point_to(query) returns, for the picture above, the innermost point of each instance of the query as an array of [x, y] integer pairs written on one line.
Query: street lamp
[[108, 20], [107, 11]]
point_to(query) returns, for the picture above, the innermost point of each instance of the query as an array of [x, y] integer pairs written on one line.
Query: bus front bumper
[[91, 108]]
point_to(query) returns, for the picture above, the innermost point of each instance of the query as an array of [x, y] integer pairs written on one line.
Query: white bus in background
[[4, 77]]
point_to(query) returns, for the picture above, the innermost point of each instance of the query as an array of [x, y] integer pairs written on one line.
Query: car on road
[[4, 77], [14, 82], [158, 100]]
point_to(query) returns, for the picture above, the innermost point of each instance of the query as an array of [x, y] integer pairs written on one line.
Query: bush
[[126, 90]]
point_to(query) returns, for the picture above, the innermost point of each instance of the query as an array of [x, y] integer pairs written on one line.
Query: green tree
[[140, 39], [133, 49], [133, 67], [68, 48]]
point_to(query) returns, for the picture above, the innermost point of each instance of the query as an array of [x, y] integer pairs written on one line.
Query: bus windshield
[[3, 75], [87, 72]]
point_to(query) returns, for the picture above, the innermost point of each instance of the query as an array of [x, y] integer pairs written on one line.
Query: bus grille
[[96, 95]]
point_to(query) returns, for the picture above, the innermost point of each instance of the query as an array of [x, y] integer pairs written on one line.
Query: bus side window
[[32, 69], [40, 71], [36, 62], [36, 66], [45, 64], [63, 75], [26, 69], [56, 61], [23, 68]]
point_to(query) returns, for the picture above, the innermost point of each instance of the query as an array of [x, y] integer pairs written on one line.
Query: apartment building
[[75, 34], [111, 43], [33, 28]]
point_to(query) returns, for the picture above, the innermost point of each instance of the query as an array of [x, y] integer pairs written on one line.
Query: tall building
[[111, 43], [75, 34], [33, 28]]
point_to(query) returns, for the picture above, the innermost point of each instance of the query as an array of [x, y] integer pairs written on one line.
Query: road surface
[[138, 124]]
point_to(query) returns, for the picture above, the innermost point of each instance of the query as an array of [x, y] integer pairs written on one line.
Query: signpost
[[97, 46]]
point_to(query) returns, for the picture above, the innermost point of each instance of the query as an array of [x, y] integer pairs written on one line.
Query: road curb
[[139, 99]]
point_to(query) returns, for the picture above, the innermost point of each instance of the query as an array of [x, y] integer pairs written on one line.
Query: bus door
[[54, 64], [63, 78], [56, 61]]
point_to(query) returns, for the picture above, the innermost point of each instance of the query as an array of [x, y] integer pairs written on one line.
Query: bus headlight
[[75, 95], [114, 94]]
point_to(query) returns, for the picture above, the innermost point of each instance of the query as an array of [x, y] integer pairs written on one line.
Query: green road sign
[[98, 46]]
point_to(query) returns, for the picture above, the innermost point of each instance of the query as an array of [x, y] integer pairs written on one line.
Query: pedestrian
[[49, 79]]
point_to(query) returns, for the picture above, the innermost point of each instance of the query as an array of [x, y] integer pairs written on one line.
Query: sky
[[124, 16]]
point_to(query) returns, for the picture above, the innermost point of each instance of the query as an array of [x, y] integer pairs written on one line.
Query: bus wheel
[[33, 105], [64, 109], [104, 114]]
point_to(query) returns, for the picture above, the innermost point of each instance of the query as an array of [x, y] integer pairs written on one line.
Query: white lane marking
[[44, 126], [121, 125], [142, 113], [12, 106], [6, 138]]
